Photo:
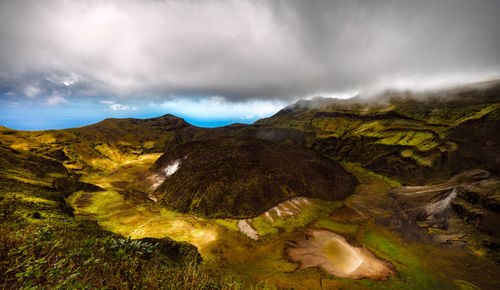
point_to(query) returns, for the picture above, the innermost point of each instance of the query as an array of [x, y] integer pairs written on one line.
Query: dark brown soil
[[84, 200]]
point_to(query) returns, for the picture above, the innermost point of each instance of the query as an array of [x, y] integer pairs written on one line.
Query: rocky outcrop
[[466, 203], [473, 195]]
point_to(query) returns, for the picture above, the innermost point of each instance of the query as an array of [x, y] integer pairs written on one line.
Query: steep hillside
[[41, 241], [24, 165], [244, 177], [97, 146], [416, 138]]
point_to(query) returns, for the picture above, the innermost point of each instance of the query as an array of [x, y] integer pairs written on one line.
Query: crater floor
[[344, 234]]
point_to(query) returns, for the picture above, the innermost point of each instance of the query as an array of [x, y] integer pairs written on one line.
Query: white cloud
[[64, 79], [56, 100], [217, 107], [106, 102], [242, 49], [31, 91], [336, 95], [118, 107]]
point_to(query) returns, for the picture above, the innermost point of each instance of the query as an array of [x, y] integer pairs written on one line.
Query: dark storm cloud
[[243, 49]]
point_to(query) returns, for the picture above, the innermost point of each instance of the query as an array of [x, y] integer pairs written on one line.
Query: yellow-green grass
[[307, 214], [26, 177], [409, 153], [418, 264], [121, 175], [423, 141], [142, 218], [465, 285], [129, 218], [335, 127], [371, 196], [218, 240], [342, 228], [479, 113], [230, 224], [94, 147], [222, 246], [366, 176]]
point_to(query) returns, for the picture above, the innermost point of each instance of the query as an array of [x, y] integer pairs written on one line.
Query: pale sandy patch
[[330, 251]]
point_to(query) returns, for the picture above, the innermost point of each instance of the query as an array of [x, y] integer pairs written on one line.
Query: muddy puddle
[[330, 251]]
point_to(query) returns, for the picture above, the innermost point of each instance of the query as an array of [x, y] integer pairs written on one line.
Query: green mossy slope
[[42, 245], [97, 146], [415, 137]]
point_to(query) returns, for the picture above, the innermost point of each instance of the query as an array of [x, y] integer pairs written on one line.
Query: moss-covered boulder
[[243, 176]]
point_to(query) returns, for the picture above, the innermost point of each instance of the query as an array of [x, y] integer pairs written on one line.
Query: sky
[[71, 63]]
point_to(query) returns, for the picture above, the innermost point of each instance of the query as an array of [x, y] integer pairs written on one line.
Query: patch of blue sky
[[28, 114]]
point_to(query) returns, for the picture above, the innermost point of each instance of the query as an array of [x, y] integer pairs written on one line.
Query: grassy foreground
[[42, 245]]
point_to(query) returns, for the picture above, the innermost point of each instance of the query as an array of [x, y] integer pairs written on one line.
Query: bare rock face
[[246, 229], [449, 210], [473, 195]]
